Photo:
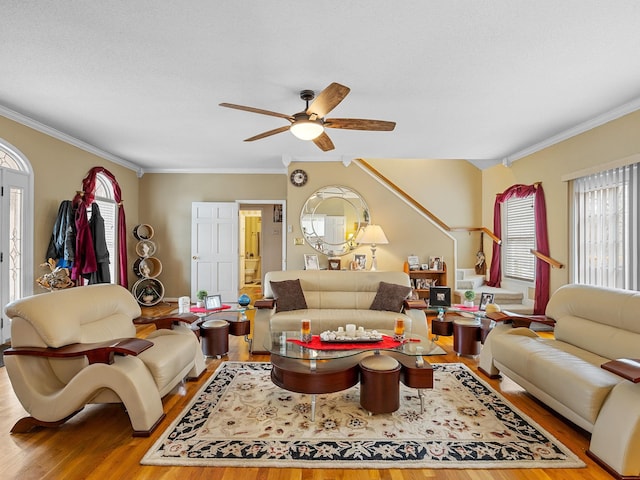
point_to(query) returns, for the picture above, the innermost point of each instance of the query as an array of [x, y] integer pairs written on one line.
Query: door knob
[[195, 257]]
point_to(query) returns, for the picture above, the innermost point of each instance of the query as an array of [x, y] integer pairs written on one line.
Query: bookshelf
[[421, 279]]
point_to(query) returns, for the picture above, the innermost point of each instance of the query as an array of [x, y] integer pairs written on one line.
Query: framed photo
[[485, 299], [440, 297], [361, 261], [212, 302], [436, 263], [414, 262], [334, 264], [424, 266], [311, 262]]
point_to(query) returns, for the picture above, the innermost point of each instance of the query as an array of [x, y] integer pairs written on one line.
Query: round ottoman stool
[[466, 337], [214, 335], [379, 384]]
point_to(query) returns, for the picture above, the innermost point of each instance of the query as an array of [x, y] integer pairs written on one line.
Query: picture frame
[[440, 297], [414, 262], [361, 261], [311, 262], [424, 266], [334, 264], [485, 299], [212, 302], [436, 263]]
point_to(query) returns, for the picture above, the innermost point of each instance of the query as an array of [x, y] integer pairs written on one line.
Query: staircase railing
[[549, 260], [489, 233], [418, 206]]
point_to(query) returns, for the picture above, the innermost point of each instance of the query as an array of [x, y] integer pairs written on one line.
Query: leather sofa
[[333, 299], [77, 346], [573, 373]]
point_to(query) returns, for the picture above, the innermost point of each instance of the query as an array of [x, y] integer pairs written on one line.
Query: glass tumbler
[[305, 330], [398, 329]]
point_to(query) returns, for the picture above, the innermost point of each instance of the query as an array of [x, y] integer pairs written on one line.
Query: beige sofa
[[333, 298], [593, 327], [77, 346]]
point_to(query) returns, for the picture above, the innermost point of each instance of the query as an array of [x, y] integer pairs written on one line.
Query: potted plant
[[201, 295], [469, 296]]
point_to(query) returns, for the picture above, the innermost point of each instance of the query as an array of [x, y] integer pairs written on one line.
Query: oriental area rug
[[240, 418]]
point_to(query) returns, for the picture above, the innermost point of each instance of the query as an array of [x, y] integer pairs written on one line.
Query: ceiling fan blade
[[328, 99], [359, 124], [324, 142], [257, 110], [267, 134]]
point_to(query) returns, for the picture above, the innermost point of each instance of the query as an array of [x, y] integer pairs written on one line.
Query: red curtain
[[542, 241], [86, 262]]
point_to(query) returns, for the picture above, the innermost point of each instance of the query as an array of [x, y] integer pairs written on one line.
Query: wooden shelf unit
[[440, 276]]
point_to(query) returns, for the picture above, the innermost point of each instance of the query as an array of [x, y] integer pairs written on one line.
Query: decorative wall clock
[[298, 177]]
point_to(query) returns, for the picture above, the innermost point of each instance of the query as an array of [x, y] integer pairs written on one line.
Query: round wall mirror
[[331, 219]]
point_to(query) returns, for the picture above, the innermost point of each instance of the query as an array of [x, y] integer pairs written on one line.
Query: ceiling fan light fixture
[[306, 129]]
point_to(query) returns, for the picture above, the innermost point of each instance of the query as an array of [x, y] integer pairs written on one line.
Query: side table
[[442, 328]]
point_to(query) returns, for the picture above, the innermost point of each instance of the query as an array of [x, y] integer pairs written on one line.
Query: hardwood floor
[[97, 443]]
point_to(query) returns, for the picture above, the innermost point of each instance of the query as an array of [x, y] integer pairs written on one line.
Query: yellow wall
[[58, 170], [407, 231], [615, 140], [165, 203], [449, 189]]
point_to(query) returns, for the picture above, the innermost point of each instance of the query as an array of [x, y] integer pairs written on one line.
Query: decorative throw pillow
[[288, 295], [390, 297]]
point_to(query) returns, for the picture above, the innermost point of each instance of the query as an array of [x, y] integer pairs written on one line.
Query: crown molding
[[594, 122], [345, 159], [57, 134], [242, 171]]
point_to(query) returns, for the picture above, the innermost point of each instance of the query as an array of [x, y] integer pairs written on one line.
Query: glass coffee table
[[297, 367]]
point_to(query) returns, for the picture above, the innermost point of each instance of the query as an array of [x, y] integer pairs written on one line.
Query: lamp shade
[[372, 235], [306, 129]]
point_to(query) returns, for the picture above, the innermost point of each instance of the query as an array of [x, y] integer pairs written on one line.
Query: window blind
[[519, 238], [606, 228]]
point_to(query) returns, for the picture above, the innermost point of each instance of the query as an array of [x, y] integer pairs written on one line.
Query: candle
[[351, 329]]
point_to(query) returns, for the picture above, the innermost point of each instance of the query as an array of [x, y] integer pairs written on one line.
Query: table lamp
[[372, 235]]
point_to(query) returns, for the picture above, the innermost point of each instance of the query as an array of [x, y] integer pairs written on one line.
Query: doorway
[[261, 243], [250, 247], [16, 230]]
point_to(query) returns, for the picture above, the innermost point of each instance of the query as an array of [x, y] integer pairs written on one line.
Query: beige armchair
[[77, 346]]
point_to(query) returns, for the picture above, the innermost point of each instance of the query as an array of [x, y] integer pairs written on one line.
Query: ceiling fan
[[310, 124]]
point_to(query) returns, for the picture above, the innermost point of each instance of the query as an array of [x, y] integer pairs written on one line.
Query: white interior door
[[214, 249]]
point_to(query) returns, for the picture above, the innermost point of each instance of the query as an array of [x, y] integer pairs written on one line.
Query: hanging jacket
[[96, 228], [63, 239], [85, 260]]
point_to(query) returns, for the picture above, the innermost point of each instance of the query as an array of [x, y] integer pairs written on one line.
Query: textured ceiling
[[481, 80]]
